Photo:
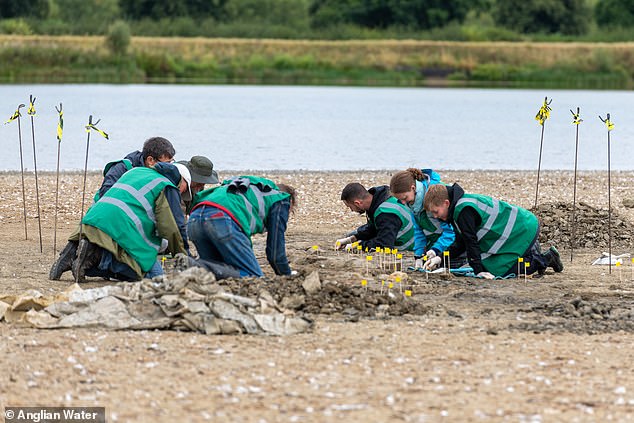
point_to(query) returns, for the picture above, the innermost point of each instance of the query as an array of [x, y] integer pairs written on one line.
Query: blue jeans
[[219, 238], [108, 267]]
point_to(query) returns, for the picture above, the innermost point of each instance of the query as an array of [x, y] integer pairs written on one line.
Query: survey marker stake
[[610, 126], [542, 115], [16, 116], [31, 112], [576, 120], [88, 127], [60, 130]]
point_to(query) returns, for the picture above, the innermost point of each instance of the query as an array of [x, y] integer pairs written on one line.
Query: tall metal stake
[[83, 193], [31, 112], [60, 128], [16, 116], [610, 126], [541, 117], [26, 235], [576, 120]]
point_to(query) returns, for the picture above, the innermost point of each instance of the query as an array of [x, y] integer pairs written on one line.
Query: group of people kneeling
[[138, 212], [418, 212]]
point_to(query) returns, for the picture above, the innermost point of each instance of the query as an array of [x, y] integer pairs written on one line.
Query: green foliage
[[139, 9], [15, 26], [118, 38], [615, 13], [419, 14], [546, 16], [24, 8], [291, 13]]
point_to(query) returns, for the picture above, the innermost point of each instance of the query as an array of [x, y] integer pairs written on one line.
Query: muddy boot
[[554, 260], [64, 262], [183, 262], [88, 256]]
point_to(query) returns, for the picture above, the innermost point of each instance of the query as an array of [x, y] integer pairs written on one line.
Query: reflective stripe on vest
[[407, 222], [139, 195], [259, 197], [436, 224], [406, 216], [493, 213], [137, 222]]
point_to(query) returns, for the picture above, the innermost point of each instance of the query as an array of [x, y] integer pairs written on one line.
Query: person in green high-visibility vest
[[123, 231], [390, 223], [155, 150], [432, 237], [495, 234], [223, 219]]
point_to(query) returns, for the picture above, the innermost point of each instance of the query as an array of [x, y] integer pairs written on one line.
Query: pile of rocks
[[591, 226]]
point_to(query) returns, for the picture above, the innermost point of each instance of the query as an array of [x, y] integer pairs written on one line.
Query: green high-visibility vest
[[405, 235], [430, 227], [126, 214], [128, 166], [247, 198], [505, 233]]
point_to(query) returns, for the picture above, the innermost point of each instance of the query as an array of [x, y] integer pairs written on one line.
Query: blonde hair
[[404, 179], [435, 196]]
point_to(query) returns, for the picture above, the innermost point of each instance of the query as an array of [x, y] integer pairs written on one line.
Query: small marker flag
[[92, 126], [31, 110], [14, 116], [60, 125], [544, 112], [576, 120]]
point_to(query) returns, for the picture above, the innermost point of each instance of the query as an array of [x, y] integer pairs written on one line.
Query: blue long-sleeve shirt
[[442, 243], [420, 240], [276, 222]]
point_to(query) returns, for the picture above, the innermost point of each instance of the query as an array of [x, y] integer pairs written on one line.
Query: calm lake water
[[321, 128]]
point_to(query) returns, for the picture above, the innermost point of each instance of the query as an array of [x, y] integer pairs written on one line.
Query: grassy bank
[[391, 63]]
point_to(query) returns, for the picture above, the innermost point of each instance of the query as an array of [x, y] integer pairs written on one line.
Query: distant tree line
[[327, 18]]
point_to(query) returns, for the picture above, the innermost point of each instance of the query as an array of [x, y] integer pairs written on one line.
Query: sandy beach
[[557, 348]]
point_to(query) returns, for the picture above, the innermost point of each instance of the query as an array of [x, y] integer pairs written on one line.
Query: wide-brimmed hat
[[201, 169], [185, 174]]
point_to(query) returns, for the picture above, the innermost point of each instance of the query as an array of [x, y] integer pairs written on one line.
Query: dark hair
[[403, 180], [157, 147], [354, 191], [290, 190]]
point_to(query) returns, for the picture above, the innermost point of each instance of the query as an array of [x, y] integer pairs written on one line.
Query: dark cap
[[201, 169]]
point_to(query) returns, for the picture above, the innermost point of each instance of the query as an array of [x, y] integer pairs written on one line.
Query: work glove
[[344, 242], [432, 263], [430, 254], [351, 247], [419, 263], [485, 275]]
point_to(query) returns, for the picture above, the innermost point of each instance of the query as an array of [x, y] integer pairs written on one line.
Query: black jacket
[[382, 231], [116, 171], [465, 227]]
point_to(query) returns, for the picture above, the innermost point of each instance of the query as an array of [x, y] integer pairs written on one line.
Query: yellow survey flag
[[60, 126], [14, 116], [576, 120], [544, 112], [609, 124], [31, 110], [92, 126]]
